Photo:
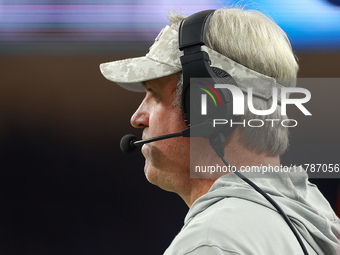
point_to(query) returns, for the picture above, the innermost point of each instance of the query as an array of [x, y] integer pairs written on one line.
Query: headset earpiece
[[196, 64], [221, 73]]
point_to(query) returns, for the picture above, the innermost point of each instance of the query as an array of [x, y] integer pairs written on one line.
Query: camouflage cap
[[163, 59]]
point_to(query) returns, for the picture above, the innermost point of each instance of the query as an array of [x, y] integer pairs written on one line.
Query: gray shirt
[[233, 218]]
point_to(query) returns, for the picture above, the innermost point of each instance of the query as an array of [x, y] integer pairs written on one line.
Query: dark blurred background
[[66, 188]]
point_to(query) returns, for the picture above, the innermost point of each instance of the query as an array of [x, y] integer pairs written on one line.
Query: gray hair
[[258, 43]]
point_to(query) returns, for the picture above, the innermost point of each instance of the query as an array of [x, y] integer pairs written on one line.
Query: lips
[[144, 134]]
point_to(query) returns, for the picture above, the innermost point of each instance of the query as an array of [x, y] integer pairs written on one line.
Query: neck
[[236, 154], [199, 187]]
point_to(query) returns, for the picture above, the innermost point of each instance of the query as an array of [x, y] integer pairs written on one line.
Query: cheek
[[177, 120], [165, 120], [171, 155]]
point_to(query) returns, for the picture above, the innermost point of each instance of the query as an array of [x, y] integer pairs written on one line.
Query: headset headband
[[192, 29]]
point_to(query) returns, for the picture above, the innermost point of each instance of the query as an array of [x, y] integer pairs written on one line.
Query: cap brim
[[130, 73]]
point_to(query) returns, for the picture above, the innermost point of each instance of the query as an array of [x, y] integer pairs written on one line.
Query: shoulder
[[233, 226]]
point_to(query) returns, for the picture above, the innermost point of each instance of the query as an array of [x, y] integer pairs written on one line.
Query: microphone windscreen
[[126, 143]]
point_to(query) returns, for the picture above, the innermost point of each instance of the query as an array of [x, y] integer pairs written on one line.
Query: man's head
[[244, 43]]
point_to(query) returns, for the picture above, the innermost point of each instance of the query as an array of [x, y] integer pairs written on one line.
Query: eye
[[153, 93]]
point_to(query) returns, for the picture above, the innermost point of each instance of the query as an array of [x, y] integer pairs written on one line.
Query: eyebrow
[[146, 84]]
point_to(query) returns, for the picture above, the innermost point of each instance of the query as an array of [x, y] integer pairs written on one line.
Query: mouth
[[145, 131], [144, 150], [144, 134]]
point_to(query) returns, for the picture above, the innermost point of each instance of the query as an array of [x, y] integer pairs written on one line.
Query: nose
[[140, 119]]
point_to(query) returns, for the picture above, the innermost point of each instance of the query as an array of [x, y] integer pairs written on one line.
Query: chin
[[149, 172], [150, 175], [155, 178]]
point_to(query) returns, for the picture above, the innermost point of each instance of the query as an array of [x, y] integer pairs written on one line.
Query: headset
[[195, 67], [196, 64]]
